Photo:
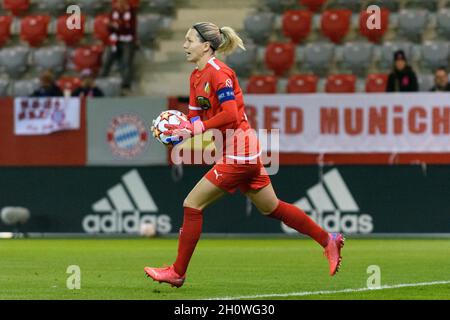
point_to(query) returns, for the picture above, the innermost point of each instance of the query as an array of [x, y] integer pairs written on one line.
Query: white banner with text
[[37, 116], [355, 123]]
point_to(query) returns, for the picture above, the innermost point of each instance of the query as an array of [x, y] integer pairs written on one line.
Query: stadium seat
[[162, 6], [374, 35], [259, 26], [17, 7], [53, 6], [68, 36], [111, 87], [357, 56], [24, 88], [50, 58], [262, 85], [388, 49], [101, 31], [435, 54], [425, 81], [3, 87], [340, 83], [302, 83], [443, 22], [280, 57], [5, 29], [242, 61], [14, 60], [430, 5], [148, 27], [279, 6], [335, 24], [412, 23], [391, 5], [318, 57], [296, 24], [88, 57], [313, 5], [376, 82], [68, 83], [34, 29]]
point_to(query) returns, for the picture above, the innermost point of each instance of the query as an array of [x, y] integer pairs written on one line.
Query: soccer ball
[[147, 230], [166, 117]]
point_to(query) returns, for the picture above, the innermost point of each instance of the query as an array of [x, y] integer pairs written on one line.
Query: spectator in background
[[48, 87], [402, 78], [441, 82], [87, 88], [122, 41]]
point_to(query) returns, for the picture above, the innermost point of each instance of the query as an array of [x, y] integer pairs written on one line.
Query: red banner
[[65, 148]]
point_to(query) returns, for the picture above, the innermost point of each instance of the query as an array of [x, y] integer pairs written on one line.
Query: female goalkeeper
[[216, 102]]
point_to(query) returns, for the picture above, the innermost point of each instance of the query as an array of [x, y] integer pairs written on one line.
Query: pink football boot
[[333, 252], [166, 274]]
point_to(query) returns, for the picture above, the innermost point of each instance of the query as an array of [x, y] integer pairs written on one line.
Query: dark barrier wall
[[352, 199]]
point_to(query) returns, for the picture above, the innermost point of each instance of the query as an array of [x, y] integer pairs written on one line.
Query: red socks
[[295, 218], [191, 230], [189, 235]]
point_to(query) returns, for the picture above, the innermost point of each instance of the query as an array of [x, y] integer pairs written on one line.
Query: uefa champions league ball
[[166, 117]]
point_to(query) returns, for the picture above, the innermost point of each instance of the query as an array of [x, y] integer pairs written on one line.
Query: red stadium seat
[[88, 58], [376, 82], [34, 29], [280, 57], [374, 35], [262, 85], [335, 24], [101, 31], [5, 29], [313, 5], [297, 24], [302, 83], [340, 83], [16, 6], [68, 83], [70, 37]]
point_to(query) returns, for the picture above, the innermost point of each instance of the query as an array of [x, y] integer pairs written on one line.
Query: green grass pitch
[[113, 269]]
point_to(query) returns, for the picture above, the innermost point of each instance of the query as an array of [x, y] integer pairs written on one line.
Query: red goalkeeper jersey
[[215, 96]]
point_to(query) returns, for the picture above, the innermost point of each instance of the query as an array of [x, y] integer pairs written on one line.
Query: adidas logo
[[331, 205], [124, 205]]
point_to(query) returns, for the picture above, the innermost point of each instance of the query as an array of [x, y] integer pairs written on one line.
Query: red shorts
[[230, 177]]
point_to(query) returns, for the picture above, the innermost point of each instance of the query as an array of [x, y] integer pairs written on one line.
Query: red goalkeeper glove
[[185, 129]]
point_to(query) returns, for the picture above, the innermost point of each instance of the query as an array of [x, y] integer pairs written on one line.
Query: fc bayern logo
[[127, 136]]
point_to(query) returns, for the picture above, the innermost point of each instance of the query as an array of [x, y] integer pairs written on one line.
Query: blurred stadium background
[[293, 46], [108, 177]]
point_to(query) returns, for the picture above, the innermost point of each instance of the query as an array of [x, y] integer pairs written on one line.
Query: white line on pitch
[[311, 293]]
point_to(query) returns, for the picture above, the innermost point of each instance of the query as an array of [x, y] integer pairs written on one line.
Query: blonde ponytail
[[231, 41], [223, 40]]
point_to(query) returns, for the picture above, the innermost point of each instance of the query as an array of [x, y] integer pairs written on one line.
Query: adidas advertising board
[[117, 200], [331, 205], [126, 206]]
